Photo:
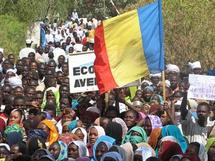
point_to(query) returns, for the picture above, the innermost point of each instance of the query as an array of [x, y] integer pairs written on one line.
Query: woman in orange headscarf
[[49, 127]]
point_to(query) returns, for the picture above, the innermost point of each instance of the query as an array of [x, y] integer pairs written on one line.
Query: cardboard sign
[[201, 87], [81, 72]]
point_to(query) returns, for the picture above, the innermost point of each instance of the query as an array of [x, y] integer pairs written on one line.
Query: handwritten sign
[[81, 72], [201, 87]]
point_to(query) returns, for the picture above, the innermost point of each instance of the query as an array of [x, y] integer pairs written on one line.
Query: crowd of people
[[41, 120]]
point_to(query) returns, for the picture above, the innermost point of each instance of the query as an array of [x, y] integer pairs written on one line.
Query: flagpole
[[164, 85]]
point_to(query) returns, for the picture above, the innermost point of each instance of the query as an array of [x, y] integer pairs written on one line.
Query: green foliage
[[11, 34], [188, 24], [189, 31]]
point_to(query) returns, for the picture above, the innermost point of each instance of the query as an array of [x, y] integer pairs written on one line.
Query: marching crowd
[[41, 120]]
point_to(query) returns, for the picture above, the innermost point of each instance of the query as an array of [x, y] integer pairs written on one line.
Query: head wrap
[[173, 130], [195, 65], [37, 133], [172, 68], [15, 81], [83, 131], [135, 139], [146, 152], [108, 141], [129, 153], [123, 124], [155, 75], [72, 125], [13, 128], [119, 150], [82, 149], [68, 138], [202, 153], [155, 121], [14, 138], [114, 155], [53, 134], [169, 147], [154, 136], [63, 151], [99, 129]]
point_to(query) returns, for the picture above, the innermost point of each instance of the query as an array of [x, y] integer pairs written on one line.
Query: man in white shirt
[[196, 130], [58, 51], [25, 51]]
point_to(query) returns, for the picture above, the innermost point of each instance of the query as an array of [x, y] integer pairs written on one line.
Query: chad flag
[[129, 46]]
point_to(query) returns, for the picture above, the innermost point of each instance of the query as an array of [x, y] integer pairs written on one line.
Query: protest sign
[[81, 72], [201, 87]]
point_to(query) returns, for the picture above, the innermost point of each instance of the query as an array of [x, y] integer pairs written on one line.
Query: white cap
[[172, 68], [155, 75], [28, 41], [195, 65], [1, 50]]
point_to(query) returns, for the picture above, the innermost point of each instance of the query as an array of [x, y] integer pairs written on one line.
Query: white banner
[[201, 87], [81, 73]]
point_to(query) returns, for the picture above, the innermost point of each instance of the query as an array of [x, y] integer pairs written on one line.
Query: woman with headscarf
[[16, 117], [81, 133], [198, 149], [59, 150], [144, 152], [114, 130], [210, 147], [49, 127], [118, 149], [122, 123], [135, 135], [168, 147], [101, 146], [68, 137], [52, 93], [94, 133], [77, 149], [154, 138], [151, 122], [13, 134], [113, 156], [173, 130], [129, 152]]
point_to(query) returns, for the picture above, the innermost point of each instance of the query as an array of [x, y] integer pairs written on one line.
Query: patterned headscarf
[[53, 134]]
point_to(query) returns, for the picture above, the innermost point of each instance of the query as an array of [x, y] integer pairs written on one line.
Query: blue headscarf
[[109, 141], [63, 151], [72, 125], [116, 156], [172, 130]]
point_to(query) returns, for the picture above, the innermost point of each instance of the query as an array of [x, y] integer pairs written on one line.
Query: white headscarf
[[83, 131]]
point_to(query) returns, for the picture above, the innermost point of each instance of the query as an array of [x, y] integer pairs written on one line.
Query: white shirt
[[193, 131], [57, 52], [25, 51]]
